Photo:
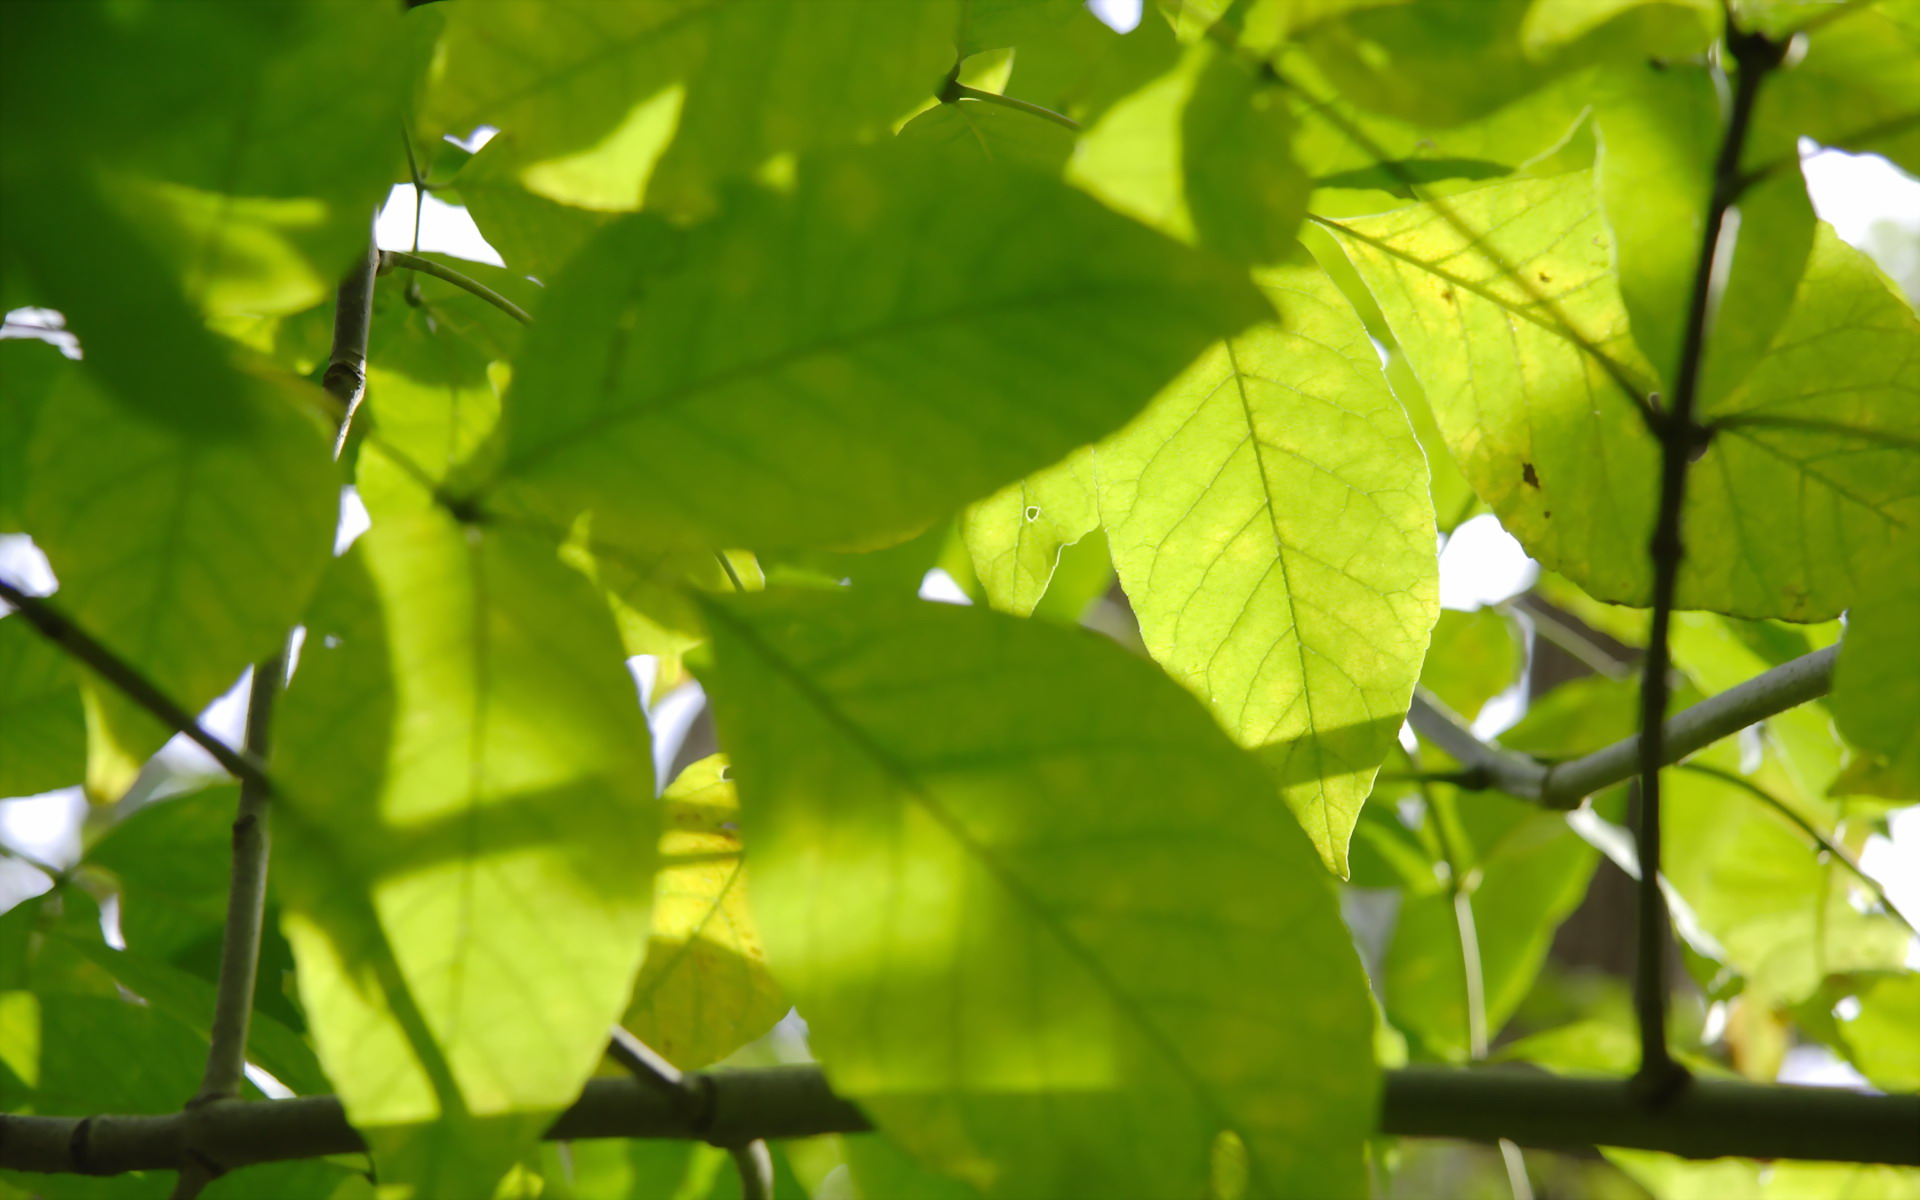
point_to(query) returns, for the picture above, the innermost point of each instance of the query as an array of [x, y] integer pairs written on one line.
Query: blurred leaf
[[189, 557], [1876, 691], [43, 731], [1202, 154], [998, 134], [988, 24], [1087, 949], [465, 843], [532, 233], [1884, 1038], [785, 397], [705, 990], [613, 103], [1857, 87], [31, 367], [1474, 657], [1269, 524]]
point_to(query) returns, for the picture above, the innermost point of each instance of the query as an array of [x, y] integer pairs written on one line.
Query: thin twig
[[1659, 1075], [957, 91], [426, 266], [1564, 785], [77, 642], [1827, 844], [346, 381]]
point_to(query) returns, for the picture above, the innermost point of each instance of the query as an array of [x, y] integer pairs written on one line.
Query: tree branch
[[1564, 785], [1680, 437], [1706, 1119], [77, 642]]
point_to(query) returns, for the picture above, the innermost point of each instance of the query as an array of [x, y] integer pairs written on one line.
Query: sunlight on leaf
[[836, 368], [1038, 912], [466, 843], [705, 990], [1270, 522]]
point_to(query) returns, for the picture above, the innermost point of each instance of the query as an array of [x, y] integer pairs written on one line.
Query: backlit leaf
[[705, 990], [1037, 910], [837, 367], [1270, 520], [465, 843], [43, 733]]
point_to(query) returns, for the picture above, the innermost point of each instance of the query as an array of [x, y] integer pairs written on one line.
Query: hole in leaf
[[1033, 512]]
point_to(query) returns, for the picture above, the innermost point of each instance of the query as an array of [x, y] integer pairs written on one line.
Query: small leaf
[[1037, 910], [464, 844], [1015, 536], [1876, 691], [705, 990]]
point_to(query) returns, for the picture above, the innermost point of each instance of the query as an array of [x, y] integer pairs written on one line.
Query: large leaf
[[188, 555], [262, 140], [1856, 87], [705, 990], [611, 103], [467, 832], [1504, 302], [1044, 921], [1270, 519], [904, 332]]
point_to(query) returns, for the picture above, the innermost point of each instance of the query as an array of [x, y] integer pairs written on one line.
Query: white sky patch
[[1482, 564], [46, 826], [671, 720], [22, 565], [1122, 16], [1854, 192], [444, 228], [354, 520], [939, 586]]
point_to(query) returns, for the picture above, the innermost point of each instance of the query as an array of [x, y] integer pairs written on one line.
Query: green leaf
[[1762, 889], [836, 367], [997, 133], [1474, 657], [464, 843], [1201, 154], [1857, 87], [1084, 67], [43, 732], [532, 233], [990, 24], [30, 367], [1876, 692], [705, 990], [1036, 909], [1016, 535], [1659, 135], [187, 556], [1526, 881], [1529, 373], [1270, 520], [613, 103], [1885, 1037], [262, 141]]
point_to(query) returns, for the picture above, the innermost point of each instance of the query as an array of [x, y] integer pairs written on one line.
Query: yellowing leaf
[[705, 990]]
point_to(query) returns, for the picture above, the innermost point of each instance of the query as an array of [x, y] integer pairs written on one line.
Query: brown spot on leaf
[[1528, 475]]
